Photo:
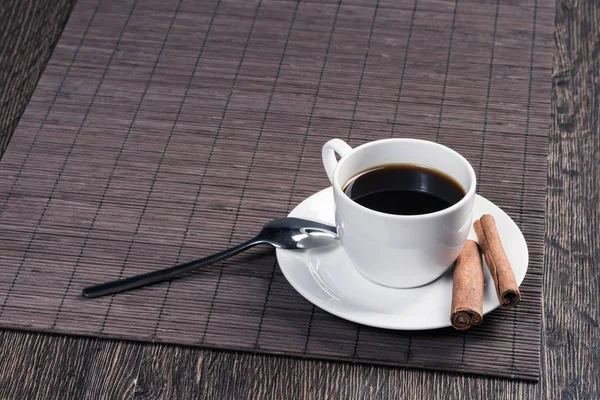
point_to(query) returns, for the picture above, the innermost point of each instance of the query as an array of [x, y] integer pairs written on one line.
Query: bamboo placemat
[[162, 131]]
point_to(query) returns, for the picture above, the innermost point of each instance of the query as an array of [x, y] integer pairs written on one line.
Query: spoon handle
[[121, 285]]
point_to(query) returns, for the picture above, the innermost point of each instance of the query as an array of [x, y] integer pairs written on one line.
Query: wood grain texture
[[572, 279], [29, 31], [44, 366]]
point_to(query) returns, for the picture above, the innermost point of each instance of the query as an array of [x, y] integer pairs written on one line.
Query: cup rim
[[470, 193]]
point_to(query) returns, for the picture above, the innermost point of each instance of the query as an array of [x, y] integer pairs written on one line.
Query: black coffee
[[404, 189]]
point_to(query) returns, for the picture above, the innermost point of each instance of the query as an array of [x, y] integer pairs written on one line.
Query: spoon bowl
[[295, 233]]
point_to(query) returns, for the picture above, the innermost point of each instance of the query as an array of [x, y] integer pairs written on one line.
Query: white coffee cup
[[400, 251]]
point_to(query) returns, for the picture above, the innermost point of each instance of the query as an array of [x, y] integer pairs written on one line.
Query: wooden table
[[46, 366]]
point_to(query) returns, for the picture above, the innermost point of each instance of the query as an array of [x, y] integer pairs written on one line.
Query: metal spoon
[[285, 233]]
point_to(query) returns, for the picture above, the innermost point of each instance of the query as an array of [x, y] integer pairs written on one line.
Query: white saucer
[[326, 278]]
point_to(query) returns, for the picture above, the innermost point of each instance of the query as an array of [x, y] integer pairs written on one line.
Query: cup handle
[[328, 153]]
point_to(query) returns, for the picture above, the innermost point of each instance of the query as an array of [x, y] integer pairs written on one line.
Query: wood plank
[[42, 366], [29, 31], [572, 259]]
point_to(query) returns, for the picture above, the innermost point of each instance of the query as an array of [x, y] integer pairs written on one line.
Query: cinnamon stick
[[498, 264], [467, 288]]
